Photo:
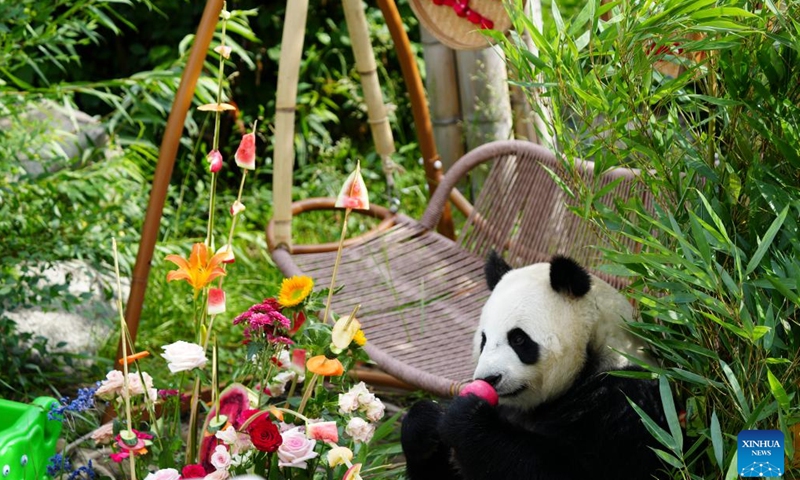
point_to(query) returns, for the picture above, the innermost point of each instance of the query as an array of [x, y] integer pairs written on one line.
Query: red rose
[[264, 434], [193, 471]]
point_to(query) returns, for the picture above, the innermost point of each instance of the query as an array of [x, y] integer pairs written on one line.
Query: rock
[[83, 324]]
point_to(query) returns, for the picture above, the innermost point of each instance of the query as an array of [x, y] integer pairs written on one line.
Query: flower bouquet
[[289, 412]]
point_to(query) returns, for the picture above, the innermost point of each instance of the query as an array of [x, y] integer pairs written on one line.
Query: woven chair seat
[[421, 293]]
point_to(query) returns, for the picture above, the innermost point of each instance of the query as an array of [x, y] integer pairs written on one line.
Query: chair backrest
[[524, 213]]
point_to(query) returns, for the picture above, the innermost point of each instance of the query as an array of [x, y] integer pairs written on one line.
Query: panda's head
[[539, 325]]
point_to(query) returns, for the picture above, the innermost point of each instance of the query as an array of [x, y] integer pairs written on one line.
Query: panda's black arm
[[427, 458], [487, 447]]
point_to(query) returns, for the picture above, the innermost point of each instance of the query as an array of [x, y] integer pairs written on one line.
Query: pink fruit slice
[[482, 390]]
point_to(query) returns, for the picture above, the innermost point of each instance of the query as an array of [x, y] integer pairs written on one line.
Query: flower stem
[[307, 393], [191, 442], [336, 266], [123, 333]]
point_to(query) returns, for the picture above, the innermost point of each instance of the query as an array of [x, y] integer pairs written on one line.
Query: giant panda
[[547, 338]]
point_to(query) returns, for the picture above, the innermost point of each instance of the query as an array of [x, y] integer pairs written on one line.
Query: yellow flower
[[199, 270], [294, 290], [360, 338]]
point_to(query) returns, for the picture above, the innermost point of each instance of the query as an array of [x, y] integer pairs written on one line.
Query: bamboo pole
[[368, 71], [535, 112], [294, 28], [419, 108], [485, 100], [166, 161], [442, 84]]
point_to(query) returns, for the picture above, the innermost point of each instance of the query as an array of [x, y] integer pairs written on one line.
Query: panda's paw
[[419, 433], [466, 416]]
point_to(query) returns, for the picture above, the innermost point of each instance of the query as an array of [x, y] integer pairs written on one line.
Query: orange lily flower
[[199, 270], [327, 367]]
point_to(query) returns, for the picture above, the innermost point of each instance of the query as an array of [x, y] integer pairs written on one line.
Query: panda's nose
[[492, 380]]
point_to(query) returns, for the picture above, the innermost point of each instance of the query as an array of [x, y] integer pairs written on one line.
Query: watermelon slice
[[232, 402]]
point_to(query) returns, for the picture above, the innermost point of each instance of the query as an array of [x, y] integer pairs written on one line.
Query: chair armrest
[[522, 149], [326, 203]]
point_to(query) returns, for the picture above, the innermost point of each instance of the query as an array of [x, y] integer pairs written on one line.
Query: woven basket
[[459, 32]]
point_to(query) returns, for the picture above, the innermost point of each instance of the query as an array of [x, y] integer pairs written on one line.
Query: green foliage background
[[716, 279]]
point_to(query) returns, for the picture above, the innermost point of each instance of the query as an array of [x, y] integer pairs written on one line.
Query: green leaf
[[737, 389], [765, 242], [670, 412], [716, 438], [732, 473], [778, 391], [663, 437], [668, 458]]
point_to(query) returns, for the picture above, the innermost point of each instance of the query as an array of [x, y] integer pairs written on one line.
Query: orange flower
[[200, 270], [327, 367]]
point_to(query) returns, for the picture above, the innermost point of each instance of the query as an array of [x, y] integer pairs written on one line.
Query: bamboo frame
[[286, 103]]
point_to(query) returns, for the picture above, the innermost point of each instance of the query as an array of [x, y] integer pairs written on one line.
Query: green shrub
[[716, 280]]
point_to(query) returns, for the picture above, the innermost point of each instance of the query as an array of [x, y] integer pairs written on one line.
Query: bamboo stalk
[[485, 101], [373, 97], [288, 75], [441, 82]]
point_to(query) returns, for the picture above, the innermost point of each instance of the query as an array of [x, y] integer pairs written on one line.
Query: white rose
[[374, 410], [221, 459], [359, 429], [348, 403], [295, 449], [182, 356], [278, 384]]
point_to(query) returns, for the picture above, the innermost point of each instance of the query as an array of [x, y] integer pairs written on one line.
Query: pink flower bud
[[216, 301], [246, 153], [237, 208], [228, 251], [214, 161]]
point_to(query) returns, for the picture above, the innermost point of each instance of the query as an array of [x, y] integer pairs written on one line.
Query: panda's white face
[[531, 342]]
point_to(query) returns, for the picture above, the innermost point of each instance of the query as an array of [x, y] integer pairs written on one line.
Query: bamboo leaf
[[716, 438], [737, 389], [765, 242], [670, 412], [657, 432], [778, 391]]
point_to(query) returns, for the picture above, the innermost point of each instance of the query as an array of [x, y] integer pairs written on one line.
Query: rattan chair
[[420, 292]]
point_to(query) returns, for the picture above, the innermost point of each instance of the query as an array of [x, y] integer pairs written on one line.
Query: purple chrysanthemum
[[264, 321]]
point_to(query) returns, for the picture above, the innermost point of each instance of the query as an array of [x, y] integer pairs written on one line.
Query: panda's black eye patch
[[483, 341], [526, 349]]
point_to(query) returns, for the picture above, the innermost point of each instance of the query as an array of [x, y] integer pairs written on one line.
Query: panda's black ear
[[567, 277], [494, 269]]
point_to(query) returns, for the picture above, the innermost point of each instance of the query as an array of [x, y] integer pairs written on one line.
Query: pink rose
[[221, 459], [104, 434], [111, 386], [165, 474], [218, 475], [295, 449], [360, 429]]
